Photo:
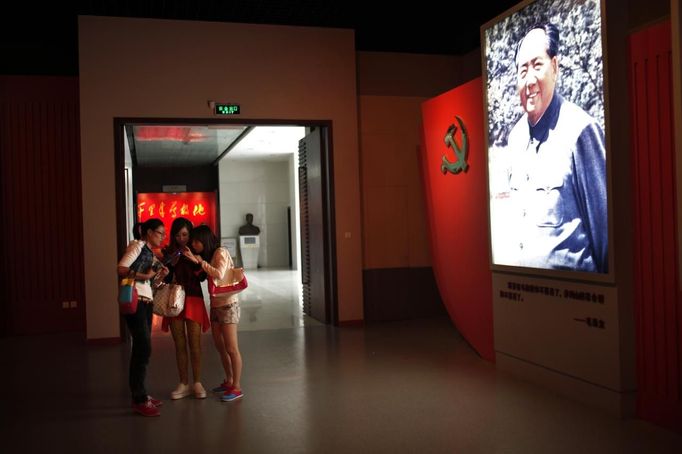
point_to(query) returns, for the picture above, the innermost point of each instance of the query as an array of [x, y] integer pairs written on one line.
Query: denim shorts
[[228, 313]]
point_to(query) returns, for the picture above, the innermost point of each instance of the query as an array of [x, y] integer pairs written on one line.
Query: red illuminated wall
[[457, 214], [198, 207], [658, 306]]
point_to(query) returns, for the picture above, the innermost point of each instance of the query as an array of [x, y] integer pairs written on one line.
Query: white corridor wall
[[261, 188]]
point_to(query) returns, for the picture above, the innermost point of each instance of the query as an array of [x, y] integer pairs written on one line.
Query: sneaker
[[146, 409], [181, 391], [155, 402], [222, 388], [231, 395], [199, 391]]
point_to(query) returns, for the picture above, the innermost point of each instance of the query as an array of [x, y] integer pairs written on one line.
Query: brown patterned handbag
[[169, 300]]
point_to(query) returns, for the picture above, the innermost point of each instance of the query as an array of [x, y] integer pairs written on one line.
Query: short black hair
[[552, 34], [150, 224]]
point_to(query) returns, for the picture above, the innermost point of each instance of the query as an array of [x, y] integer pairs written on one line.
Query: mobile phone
[[172, 256]]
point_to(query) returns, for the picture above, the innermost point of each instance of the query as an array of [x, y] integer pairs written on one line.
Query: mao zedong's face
[[536, 74]]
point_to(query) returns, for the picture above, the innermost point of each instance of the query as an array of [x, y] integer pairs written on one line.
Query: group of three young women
[[192, 255]]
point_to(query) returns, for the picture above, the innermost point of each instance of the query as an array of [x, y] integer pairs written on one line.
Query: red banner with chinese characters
[[198, 207]]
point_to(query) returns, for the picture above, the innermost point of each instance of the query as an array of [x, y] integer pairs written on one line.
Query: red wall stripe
[[658, 317], [41, 205]]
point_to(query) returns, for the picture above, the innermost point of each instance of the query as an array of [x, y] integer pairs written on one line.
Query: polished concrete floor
[[273, 300], [411, 386]]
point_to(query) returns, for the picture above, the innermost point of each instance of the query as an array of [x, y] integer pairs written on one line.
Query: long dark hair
[[178, 225], [137, 230], [204, 235]]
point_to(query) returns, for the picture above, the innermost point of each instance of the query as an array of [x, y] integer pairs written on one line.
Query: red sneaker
[[231, 395], [146, 409], [155, 402], [222, 388]]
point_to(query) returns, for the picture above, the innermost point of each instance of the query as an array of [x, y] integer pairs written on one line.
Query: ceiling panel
[[201, 145], [269, 143], [180, 146]]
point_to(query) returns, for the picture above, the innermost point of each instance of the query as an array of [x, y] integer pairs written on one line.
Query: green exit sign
[[226, 109]]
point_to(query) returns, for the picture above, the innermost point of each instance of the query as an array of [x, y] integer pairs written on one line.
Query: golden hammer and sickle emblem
[[460, 152]]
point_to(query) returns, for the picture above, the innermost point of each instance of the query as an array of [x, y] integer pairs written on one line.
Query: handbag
[[127, 296], [127, 290], [169, 300], [236, 283]]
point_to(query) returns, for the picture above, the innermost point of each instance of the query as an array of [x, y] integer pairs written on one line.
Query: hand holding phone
[[188, 253], [173, 257]]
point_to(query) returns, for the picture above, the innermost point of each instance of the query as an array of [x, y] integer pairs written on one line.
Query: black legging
[[140, 327]]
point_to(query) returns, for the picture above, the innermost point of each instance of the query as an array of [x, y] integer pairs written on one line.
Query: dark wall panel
[[401, 294], [316, 252], [197, 179], [42, 239]]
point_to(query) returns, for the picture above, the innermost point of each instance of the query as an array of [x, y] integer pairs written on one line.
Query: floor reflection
[[273, 300]]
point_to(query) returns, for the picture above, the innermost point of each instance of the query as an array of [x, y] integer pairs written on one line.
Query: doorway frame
[[329, 198]]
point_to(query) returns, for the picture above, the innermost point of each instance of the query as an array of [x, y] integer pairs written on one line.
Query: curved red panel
[[457, 211]]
